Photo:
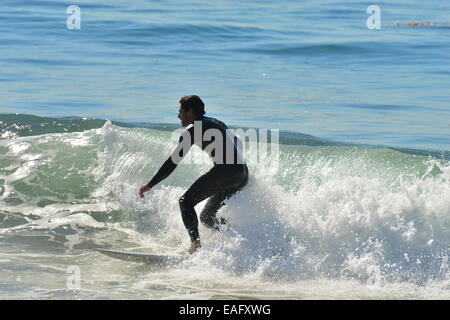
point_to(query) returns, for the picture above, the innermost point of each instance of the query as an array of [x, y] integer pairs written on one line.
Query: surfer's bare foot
[[194, 246]]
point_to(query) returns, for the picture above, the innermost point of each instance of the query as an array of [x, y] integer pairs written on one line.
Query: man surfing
[[228, 175]]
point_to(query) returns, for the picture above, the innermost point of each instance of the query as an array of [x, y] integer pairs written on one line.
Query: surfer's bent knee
[[208, 221], [185, 202]]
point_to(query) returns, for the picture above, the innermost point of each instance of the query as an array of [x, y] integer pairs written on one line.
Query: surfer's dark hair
[[193, 102]]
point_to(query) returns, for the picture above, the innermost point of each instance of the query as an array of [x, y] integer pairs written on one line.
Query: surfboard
[[142, 257]]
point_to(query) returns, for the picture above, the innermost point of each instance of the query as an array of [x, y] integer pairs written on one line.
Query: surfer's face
[[186, 116]]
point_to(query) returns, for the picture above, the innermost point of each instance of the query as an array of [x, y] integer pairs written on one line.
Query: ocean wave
[[372, 214]]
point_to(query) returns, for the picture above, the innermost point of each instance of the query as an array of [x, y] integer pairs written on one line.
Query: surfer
[[228, 175]]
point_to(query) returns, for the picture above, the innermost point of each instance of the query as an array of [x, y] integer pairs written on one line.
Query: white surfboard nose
[[142, 257]]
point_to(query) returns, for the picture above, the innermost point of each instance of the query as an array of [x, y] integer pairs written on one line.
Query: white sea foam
[[377, 217]]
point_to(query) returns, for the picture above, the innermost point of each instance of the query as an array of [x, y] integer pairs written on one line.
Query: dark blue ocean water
[[308, 66]]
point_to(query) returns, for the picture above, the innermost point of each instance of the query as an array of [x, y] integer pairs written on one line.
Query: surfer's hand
[[143, 190]]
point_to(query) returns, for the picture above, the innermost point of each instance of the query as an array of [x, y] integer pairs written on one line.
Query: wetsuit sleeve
[[163, 172], [184, 144]]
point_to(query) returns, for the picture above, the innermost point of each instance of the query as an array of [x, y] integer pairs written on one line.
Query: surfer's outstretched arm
[[170, 164], [163, 172]]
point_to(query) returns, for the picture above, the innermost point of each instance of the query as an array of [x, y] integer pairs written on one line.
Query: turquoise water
[[357, 207]]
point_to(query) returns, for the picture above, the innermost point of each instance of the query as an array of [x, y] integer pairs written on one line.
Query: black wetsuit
[[228, 175]]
